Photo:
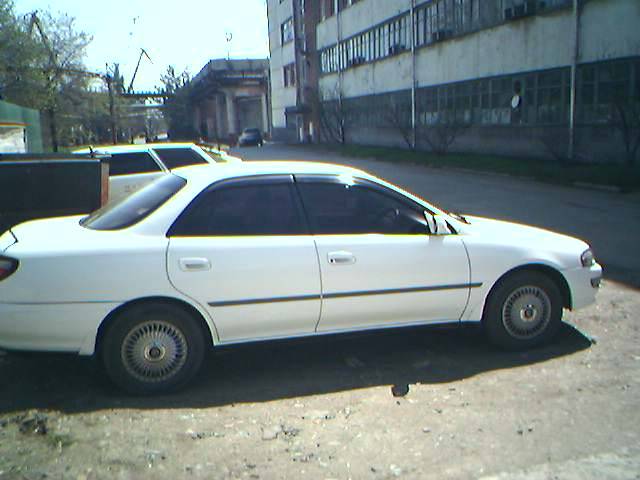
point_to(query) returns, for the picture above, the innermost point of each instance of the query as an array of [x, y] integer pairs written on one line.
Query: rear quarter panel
[[108, 266], [64, 288]]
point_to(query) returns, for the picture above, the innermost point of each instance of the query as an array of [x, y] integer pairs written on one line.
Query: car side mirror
[[437, 224]]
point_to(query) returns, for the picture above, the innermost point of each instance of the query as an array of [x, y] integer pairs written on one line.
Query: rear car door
[[379, 264], [242, 251], [129, 172]]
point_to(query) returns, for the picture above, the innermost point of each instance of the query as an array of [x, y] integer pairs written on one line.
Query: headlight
[[587, 258]]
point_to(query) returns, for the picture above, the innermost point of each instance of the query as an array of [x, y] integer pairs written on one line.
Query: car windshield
[[136, 206], [251, 131]]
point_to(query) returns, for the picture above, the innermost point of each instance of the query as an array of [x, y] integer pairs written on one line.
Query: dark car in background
[[250, 136]]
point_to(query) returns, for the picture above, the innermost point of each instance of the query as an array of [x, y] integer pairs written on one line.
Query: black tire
[[153, 348], [524, 310]]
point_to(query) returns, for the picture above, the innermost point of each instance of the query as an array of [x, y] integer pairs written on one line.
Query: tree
[[333, 114], [65, 48], [626, 119], [41, 57], [20, 53], [398, 117], [177, 108], [442, 134], [92, 124], [554, 140]]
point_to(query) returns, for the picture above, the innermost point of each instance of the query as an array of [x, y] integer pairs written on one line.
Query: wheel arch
[[552, 273], [187, 307]]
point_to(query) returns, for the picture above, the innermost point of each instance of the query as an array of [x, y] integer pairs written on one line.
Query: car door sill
[[343, 331]]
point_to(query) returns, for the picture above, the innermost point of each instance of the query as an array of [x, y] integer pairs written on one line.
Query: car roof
[[135, 147], [202, 175]]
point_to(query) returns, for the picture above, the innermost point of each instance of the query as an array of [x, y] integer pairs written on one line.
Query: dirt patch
[[419, 403]]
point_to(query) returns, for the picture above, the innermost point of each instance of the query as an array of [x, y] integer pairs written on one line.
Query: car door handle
[[194, 264], [341, 258]]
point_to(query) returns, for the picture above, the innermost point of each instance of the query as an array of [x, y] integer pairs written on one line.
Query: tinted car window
[[216, 157], [258, 209], [132, 162], [341, 208], [136, 206], [179, 157]]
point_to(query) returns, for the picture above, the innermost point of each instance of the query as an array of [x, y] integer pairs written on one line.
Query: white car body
[[123, 185], [247, 288]]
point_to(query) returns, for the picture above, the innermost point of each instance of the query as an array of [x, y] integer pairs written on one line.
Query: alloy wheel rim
[[526, 312], [154, 351]]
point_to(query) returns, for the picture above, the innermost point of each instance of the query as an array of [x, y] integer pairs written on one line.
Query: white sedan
[[131, 167], [256, 251]]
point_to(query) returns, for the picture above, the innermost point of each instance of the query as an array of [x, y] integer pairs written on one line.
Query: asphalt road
[[328, 408]]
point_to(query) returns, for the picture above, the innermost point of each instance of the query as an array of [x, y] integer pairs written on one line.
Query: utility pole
[[414, 139], [341, 112], [574, 82], [53, 60], [108, 78]]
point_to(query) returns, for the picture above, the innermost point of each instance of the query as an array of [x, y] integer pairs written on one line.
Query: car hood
[[503, 232]]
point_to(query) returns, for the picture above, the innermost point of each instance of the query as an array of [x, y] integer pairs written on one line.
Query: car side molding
[[361, 293]]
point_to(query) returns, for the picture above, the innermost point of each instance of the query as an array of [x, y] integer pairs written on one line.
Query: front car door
[[379, 264], [242, 251]]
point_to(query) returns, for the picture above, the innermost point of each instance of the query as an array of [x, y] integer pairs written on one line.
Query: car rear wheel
[[524, 310], [152, 349]]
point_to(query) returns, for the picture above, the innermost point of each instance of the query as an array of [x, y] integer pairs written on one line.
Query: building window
[[327, 9], [286, 31], [435, 21], [324, 61], [605, 87], [550, 104], [532, 98], [542, 99], [289, 74]]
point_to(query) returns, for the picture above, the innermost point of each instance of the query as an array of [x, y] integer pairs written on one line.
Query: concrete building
[[293, 68], [230, 95], [526, 77]]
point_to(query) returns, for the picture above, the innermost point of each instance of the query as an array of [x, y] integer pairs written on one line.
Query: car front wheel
[[524, 310], [152, 349]]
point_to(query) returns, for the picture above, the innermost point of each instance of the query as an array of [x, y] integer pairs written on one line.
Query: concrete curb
[[595, 186]]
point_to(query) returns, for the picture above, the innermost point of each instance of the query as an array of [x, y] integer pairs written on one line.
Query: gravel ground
[[417, 403]]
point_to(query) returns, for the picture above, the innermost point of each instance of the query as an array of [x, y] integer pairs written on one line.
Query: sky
[[182, 33]]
